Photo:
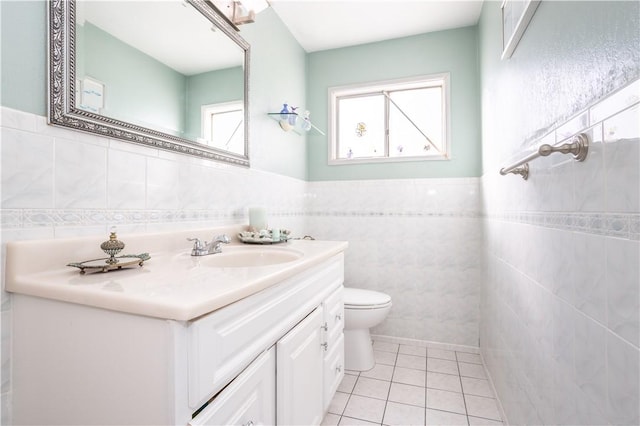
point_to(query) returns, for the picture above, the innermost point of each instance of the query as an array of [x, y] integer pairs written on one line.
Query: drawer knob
[[249, 423], [325, 327], [339, 369], [325, 345], [339, 317]]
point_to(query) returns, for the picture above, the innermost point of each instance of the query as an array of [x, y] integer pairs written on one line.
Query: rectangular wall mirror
[[167, 74]]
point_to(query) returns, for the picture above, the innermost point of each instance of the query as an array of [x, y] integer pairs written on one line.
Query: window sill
[[346, 162]]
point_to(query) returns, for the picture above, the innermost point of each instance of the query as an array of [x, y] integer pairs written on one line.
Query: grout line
[[426, 375], [426, 388], [464, 400], [494, 391], [390, 383]]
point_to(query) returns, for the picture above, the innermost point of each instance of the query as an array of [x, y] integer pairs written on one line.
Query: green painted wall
[[131, 89], [23, 38], [278, 75], [131, 80], [452, 51]]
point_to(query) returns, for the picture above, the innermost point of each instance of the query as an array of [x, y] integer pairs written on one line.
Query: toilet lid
[[360, 297]]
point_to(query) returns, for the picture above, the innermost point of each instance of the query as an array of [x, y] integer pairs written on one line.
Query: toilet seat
[[356, 298]]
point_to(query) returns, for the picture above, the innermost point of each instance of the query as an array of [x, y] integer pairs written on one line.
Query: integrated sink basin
[[247, 257], [172, 284]]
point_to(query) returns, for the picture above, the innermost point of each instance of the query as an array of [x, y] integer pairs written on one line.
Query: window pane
[[414, 114], [361, 131], [227, 131], [396, 120]]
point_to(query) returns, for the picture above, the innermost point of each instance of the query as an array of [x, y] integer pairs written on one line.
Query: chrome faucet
[[202, 248], [216, 244]]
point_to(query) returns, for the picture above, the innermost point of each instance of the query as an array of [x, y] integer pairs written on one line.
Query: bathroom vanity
[[176, 341]]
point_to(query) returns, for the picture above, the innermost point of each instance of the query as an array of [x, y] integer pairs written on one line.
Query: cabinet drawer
[[249, 399], [333, 370], [224, 342], [334, 315]]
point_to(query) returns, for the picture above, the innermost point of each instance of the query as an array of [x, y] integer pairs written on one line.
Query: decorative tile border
[[366, 213], [617, 225], [35, 218]]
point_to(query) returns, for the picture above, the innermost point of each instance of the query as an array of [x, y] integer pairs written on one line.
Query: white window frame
[[432, 80], [206, 111]]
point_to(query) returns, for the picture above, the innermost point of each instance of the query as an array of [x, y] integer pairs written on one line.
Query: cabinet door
[[299, 373], [248, 400]]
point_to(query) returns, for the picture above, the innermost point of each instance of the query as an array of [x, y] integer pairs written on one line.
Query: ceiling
[[329, 24], [169, 31], [181, 38]]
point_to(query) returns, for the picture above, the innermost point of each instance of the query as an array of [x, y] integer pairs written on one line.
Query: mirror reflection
[[163, 68]]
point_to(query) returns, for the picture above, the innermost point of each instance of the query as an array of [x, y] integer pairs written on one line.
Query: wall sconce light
[[240, 12]]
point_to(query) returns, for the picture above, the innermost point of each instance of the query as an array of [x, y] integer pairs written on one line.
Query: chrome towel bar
[[579, 147]]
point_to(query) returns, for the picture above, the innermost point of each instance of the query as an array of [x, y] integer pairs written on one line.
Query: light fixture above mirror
[[240, 12]]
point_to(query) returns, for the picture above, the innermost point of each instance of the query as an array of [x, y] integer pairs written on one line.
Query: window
[[403, 120], [223, 126]]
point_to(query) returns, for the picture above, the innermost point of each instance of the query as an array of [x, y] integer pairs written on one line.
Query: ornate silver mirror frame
[[62, 90]]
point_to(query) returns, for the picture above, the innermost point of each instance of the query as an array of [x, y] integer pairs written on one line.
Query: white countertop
[[171, 285]]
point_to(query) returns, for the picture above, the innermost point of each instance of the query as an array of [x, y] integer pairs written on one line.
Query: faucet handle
[[198, 242], [199, 247]]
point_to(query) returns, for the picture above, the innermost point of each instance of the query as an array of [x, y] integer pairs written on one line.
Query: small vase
[[284, 112], [293, 117], [306, 124]]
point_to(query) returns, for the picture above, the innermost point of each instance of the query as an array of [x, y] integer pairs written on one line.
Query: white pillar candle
[[257, 218]]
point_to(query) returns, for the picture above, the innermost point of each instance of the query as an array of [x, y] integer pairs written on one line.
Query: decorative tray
[[266, 236], [105, 265]]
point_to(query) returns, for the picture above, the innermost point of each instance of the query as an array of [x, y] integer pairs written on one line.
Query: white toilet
[[363, 309]]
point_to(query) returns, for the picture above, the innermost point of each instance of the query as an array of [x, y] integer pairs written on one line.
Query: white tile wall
[[418, 241], [60, 179], [560, 328]]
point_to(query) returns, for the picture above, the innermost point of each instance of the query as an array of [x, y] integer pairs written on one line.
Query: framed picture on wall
[[91, 95], [516, 15]]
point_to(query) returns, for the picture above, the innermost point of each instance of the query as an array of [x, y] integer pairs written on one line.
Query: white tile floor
[[411, 385]]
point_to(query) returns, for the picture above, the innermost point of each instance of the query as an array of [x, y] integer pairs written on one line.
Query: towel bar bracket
[[522, 171], [579, 147]]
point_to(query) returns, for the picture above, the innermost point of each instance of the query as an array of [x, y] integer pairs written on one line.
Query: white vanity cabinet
[[260, 360]]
